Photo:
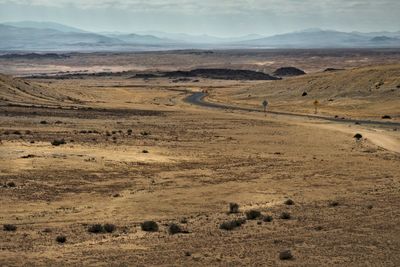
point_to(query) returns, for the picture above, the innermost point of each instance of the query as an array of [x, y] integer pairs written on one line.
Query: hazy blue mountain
[[200, 39], [16, 38], [49, 36], [44, 25], [141, 39], [382, 33], [316, 38]]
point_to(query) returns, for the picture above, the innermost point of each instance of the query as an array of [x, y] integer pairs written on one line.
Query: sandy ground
[[345, 192]]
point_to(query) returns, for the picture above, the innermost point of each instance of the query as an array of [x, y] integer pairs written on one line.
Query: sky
[[213, 17]]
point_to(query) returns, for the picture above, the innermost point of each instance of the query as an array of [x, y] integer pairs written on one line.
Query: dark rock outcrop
[[288, 71]]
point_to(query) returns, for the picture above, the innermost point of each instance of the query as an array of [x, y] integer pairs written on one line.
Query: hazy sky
[[215, 17]]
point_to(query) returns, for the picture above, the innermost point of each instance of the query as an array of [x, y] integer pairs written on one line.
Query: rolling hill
[[368, 91], [16, 91]]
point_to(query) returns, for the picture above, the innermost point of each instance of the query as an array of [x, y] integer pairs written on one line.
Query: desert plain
[[85, 140]]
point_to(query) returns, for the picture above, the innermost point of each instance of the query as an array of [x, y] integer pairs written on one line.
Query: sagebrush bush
[[333, 203], [58, 142], [233, 207], [230, 225], [253, 214], [149, 226], [173, 228], [96, 228], [285, 255], [61, 239], [289, 202], [11, 184], [285, 215], [9, 227], [267, 218], [109, 227]]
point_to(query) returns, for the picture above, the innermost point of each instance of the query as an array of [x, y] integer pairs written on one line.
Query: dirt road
[[378, 137]]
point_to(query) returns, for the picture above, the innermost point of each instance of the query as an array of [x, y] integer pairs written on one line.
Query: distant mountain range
[[49, 36], [316, 38], [44, 25]]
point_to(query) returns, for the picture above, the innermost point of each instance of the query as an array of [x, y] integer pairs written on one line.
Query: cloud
[[219, 6], [219, 17]]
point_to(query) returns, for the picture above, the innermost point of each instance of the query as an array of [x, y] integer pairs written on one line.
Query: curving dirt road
[[379, 138], [197, 98]]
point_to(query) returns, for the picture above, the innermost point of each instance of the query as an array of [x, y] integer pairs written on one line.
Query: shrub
[[386, 117], [145, 151], [285, 255], [358, 136], [29, 156], [61, 239], [285, 215], [149, 226], [17, 132], [289, 202], [267, 218], [129, 132], [253, 214], [11, 184], [43, 122], [333, 203], [96, 229], [9, 227], [318, 228], [230, 225], [304, 94], [174, 229], [233, 208], [144, 133], [109, 228], [58, 142]]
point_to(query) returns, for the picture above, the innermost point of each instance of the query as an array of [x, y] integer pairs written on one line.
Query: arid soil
[[135, 151]]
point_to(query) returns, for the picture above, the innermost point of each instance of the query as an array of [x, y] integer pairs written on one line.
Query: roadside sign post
[[265, 104]]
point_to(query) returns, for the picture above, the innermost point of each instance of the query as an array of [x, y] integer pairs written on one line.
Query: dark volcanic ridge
[[34, 56], [288, 71], [222, 74]]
